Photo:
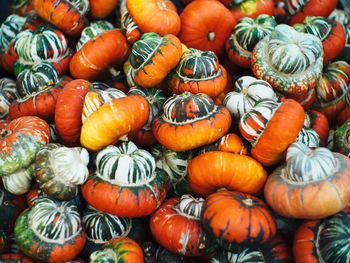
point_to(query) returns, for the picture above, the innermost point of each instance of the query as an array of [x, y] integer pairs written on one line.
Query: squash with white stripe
[[198, 72], [309, 137], [59, 170], [45, 44], [310, 185], [247, 92], [290, 61], [19, 182], [151, 59], [176, 226], [189, 121], [50, 231], [271, 127], [101, 227], [8, 93], [126, 182], [247, 33]]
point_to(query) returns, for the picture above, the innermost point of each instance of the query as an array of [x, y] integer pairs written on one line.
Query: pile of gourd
[[175, 131]]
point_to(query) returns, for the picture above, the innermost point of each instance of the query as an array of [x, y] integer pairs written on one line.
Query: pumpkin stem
[[248, 202], [4, 133], [211, 36]]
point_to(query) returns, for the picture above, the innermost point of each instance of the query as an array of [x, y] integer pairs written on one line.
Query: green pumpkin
[[59, 170], [342, 139]]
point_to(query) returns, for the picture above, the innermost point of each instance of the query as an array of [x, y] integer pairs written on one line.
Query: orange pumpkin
[[151, 59], [231, 143], [190, 121], [158, 16], [212, 171], [236, 218], [102, 8], [206, 25], [98, 55], [271, 127], [114, 120], [66, 15], [312, 184], [251, 8]]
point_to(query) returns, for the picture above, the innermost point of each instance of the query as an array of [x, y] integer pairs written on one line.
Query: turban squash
[[198, 72], [178, 219], [8, 93], [50, 231], [126, 182], [271, 127], [189, 121], [311, 185], [342, 138]]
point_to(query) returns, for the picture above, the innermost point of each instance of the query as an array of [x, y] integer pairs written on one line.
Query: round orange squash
[[102, 8], [114, 120], [212, 171]]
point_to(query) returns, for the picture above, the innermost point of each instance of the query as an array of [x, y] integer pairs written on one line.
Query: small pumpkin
[[151, 16], [250, 8], [8, 93], [198, 72], [206, 25], [68, 111], [126, 182], [175, 165], [271, 127], [102, 8], [114, 120], [319, 123], [176, 226], [45, 44], [342, 139], [290, 61], [89, 65], [300, 9], [330, 32], [189, 121], [237, 218], [156, 98], [119, 250], [315, 240], [314, 179], [340, 16], [246, 34], [151, 59], [50, 231], [20, 141], [21, 7], [247, 92], [38, 89], [332, 89], [101, 227], [68, 16], [8, 31], [276, 251], [59, 170], [19, 182], [211, 171]]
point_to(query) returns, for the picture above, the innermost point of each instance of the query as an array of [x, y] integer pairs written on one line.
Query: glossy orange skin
[[142, 138], [159, 16], [230, 220], [122, 201], [11, 257], [127, 249], [102, 8], [232, 143], [199, 19], [262, 7], [212, 87], [343, 116], [310, 200], [320, 125], [212, 171], [113, 120], [303, 244], [61, 14], [69, 107], [334, 44], [281, 131], [314, 8], [192, 135], [168, 227], [113, 50], [160, 64]]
